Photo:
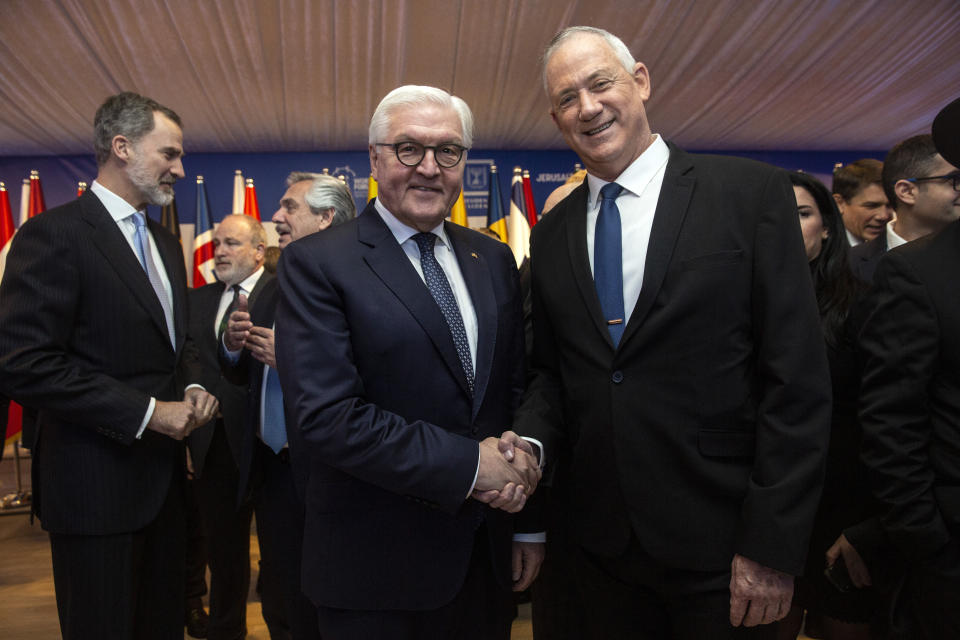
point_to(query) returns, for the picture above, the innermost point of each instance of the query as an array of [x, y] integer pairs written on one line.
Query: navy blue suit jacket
[[372, 379]]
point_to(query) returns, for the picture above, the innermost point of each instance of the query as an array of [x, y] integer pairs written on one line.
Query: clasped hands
[[179, 419], [508, 472], [241, 332]]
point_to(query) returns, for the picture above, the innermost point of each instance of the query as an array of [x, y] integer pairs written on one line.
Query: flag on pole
[[24, 202], [170, 220], [496, 221], [37, 205], [518, 229], [238, 191], [371, 188], [528, 199], [458, 214], [6, 226], [250, 207], [202, 240], [81, 187]]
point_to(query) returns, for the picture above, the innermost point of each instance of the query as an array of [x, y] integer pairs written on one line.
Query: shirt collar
[[894, 239], [249, 282], [401, 231], [117, 207], [637, 175]]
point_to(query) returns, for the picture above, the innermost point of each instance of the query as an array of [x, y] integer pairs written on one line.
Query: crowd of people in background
[[718, 400]]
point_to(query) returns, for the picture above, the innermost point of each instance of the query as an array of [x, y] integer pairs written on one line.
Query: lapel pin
[[474, 254]]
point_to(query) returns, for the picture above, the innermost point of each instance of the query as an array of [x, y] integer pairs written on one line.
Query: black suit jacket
[[204, 304], [704, 432], [371, 377], [865, 257], [83, 339], [910, 397]]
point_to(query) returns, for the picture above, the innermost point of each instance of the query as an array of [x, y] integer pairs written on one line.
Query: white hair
[[415, 96], [616, 45]]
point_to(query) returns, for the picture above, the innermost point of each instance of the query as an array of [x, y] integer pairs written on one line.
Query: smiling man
[[858, 192], [400, 351], [94, 319], [678, 366]]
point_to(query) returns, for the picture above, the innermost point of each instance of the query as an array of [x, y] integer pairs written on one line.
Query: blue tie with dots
[[608, 261], [440, 290]]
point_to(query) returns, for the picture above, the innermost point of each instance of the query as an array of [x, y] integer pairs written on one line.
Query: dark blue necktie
[[440, 290], [608, 261], [274, 423]]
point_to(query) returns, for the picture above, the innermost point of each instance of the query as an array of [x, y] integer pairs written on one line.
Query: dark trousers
[[227, 527], [280, 514], [634, 596], [935, 603], [196, 578], [126, 586], [482, 610]]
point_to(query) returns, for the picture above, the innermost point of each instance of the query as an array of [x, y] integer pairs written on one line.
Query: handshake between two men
[[508, 473]]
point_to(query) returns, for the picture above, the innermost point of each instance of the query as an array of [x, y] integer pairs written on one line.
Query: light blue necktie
[[443, 295], [608, 261], [274, 423], [142, 242]]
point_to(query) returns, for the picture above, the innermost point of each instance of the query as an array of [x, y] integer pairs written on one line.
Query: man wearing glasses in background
[[910, 395], [400, 353], [919, 183]]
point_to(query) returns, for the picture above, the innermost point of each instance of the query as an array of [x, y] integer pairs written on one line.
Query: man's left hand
[[204, 405], [758, 594], [527, 558], [260, 344]]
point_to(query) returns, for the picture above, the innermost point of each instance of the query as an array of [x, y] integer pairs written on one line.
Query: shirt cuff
[[538, 450], [540, 537], [146, 418], [232, 356]]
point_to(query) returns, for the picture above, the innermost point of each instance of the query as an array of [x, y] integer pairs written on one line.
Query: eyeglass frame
[[953, 176], [396, 152]]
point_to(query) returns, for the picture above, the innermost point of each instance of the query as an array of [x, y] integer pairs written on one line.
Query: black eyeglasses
[[411, 154], [952, 177]]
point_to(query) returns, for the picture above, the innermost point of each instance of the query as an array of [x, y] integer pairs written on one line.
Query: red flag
[[37, 204], [81, 187], [250, 207], [203, 239], [528, 199], [14, 413]]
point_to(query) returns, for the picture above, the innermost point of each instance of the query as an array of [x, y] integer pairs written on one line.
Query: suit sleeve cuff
[[146, 418], [476, 474]]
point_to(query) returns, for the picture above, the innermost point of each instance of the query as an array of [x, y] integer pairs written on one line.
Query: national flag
[[496, 221], [14, 413], [250, 207], [528, 199], [81, 187], [24, 202], [458, 214], [371, 188], [518, 229], [203, 240], [170, 220], [37, 205], [238, 191]]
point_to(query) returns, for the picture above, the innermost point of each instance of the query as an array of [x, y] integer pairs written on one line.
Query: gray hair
[[257, 233], [126, 114], [616, 45], [325, 193], [414, 96]]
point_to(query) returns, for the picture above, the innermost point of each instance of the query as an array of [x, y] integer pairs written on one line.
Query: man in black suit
[[93, 319], [920, 211], [910, 397], [400, 351], [678, 366], [273, 473], [864, 207], [239, 245]]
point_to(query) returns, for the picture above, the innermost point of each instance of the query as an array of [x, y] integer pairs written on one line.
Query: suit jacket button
[[617, 377]]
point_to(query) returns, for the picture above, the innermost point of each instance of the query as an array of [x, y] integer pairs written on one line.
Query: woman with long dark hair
[[844, 599]]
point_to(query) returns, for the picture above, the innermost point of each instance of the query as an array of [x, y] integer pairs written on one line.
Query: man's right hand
[[238, 326], [174, 419], [505, 484]]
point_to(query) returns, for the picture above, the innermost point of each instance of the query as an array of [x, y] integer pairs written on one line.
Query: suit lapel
[[476, 274], [110, 241], [172, 257], [672, 205], [389, 262], [575, 219], [258, 288]]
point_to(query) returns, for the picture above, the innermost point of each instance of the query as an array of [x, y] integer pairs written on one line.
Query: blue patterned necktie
[[608, 261], [145, 254], [274, 422], [442, 293]]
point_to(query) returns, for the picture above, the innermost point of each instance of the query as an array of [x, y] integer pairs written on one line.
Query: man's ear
[[373, 161], [121, 147], [906, 191]]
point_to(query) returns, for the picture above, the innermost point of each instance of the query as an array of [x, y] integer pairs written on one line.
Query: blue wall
[[548, 169]]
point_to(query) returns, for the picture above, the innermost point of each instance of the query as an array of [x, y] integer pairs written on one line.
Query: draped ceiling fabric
[[305, 75]]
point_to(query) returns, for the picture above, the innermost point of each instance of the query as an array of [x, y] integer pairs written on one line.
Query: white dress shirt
[[894, 240], [641, 182]]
